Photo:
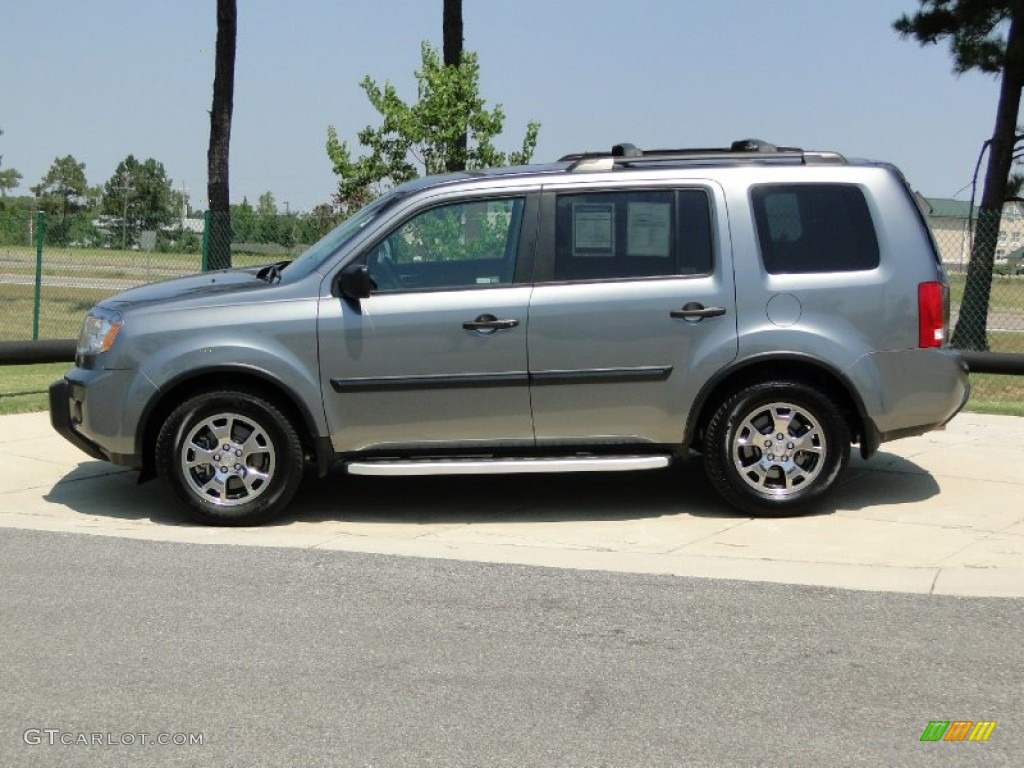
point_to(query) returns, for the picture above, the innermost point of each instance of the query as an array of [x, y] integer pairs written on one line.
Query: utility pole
[[124, 220]]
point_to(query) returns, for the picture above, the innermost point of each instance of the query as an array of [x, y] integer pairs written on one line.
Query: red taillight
[[931, 328]]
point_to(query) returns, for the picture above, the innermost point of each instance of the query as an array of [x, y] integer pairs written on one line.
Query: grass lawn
[[61, 308], [61, 311], [23, 387], [1007, 291], [105, 262], [1005, 342], [993, 393]]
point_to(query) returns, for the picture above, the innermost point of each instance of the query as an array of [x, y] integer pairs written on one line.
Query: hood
[[206, 288]]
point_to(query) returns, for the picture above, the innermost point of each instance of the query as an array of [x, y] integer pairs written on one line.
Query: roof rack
[[739, 152]]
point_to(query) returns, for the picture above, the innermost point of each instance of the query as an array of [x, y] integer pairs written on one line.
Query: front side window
[[334, 240], [614, 235], [808, 228], [459, 245]]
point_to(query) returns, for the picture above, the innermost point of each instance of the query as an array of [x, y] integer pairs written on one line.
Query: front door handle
[[697, 311], [490, 324]]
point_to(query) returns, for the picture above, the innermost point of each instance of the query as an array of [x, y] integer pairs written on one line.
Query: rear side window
[[614, 235], [807, 228]]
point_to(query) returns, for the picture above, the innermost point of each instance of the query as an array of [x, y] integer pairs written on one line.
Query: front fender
[[275, 342]]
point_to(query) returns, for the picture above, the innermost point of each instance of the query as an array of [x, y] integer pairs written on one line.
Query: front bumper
[[62, 420]]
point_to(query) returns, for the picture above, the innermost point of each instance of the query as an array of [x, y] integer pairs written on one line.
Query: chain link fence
[[54, 268], [49, 278], [986, 292]]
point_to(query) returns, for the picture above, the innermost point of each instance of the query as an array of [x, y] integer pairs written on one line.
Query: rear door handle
[[696, 311], [490, 324]]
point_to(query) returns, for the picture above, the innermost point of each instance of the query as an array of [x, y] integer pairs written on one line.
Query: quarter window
[[613, 235], [806, 228]]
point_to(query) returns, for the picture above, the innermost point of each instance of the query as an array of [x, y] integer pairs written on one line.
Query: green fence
[[47, 286]]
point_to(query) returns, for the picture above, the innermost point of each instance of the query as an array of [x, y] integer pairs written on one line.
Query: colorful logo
[[958, 730]]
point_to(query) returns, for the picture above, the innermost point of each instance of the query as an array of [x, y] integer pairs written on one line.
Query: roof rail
[[743, 151]]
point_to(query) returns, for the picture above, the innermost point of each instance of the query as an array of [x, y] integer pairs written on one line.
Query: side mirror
[[354, 282]]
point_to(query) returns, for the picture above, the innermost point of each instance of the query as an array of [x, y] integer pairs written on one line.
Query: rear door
[[633, 311]]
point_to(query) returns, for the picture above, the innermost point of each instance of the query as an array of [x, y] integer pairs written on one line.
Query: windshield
[[329, 244]]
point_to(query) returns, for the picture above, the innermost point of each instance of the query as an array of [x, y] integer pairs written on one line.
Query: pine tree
[[987, 35]]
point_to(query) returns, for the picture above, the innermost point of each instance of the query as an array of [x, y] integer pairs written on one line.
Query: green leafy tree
[[1014, 185], [219, 255], [314, 225], [243, 221], [9, 178], [138, 196], [986, 35], [423, 136], [179, 204], [454, 233], [266, 212], [15, 223], [63, 189], [266, 205]]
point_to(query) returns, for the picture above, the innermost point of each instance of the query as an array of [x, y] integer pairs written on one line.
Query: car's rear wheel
[[232, 457], [776, 448]]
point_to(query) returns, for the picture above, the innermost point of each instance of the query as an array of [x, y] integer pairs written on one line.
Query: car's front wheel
[[232, 457], [776, 448]]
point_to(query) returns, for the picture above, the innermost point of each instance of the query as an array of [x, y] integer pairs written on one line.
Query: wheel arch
[[793, 367], [240, 378]]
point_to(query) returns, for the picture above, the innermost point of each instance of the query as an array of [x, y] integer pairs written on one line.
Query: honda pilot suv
[[760, 307]]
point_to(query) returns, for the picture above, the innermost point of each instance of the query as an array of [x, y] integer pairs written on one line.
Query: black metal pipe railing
[[1007, 363], [32, 352]]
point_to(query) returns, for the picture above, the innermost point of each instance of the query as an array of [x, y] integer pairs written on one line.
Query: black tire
[[250, 482], [774, 449]]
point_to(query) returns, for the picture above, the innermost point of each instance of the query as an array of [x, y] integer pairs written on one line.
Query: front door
[[436, 356]]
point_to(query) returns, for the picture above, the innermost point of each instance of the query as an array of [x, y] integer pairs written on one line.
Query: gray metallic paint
[[419, 334], [304, 337]]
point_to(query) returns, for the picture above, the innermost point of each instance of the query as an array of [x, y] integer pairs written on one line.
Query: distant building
[[951, 222], [1011, 231]]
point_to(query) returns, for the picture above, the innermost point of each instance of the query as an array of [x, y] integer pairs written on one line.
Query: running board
[[506, 466]]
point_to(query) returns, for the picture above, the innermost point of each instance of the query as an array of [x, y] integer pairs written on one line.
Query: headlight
[[99, 331]]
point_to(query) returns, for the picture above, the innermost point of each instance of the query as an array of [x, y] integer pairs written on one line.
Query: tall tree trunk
[[452, 24], [219, 240], [972, 325]]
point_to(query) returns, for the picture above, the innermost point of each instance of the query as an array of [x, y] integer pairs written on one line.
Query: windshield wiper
[[272, 272]]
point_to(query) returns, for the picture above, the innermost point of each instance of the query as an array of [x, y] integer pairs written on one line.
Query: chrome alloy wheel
[[778, 449], [227, 459]]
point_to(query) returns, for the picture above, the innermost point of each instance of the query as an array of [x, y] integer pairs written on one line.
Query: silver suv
[[763, 307]]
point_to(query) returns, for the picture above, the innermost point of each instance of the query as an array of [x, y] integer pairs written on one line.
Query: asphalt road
[[304, 658]]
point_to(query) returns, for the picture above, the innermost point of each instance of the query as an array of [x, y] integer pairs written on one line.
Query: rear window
[[806, 228]]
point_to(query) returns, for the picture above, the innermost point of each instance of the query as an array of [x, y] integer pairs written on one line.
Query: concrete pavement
[[942, 513]]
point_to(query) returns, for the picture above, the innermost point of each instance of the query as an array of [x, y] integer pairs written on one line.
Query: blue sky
[[106, 78]]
